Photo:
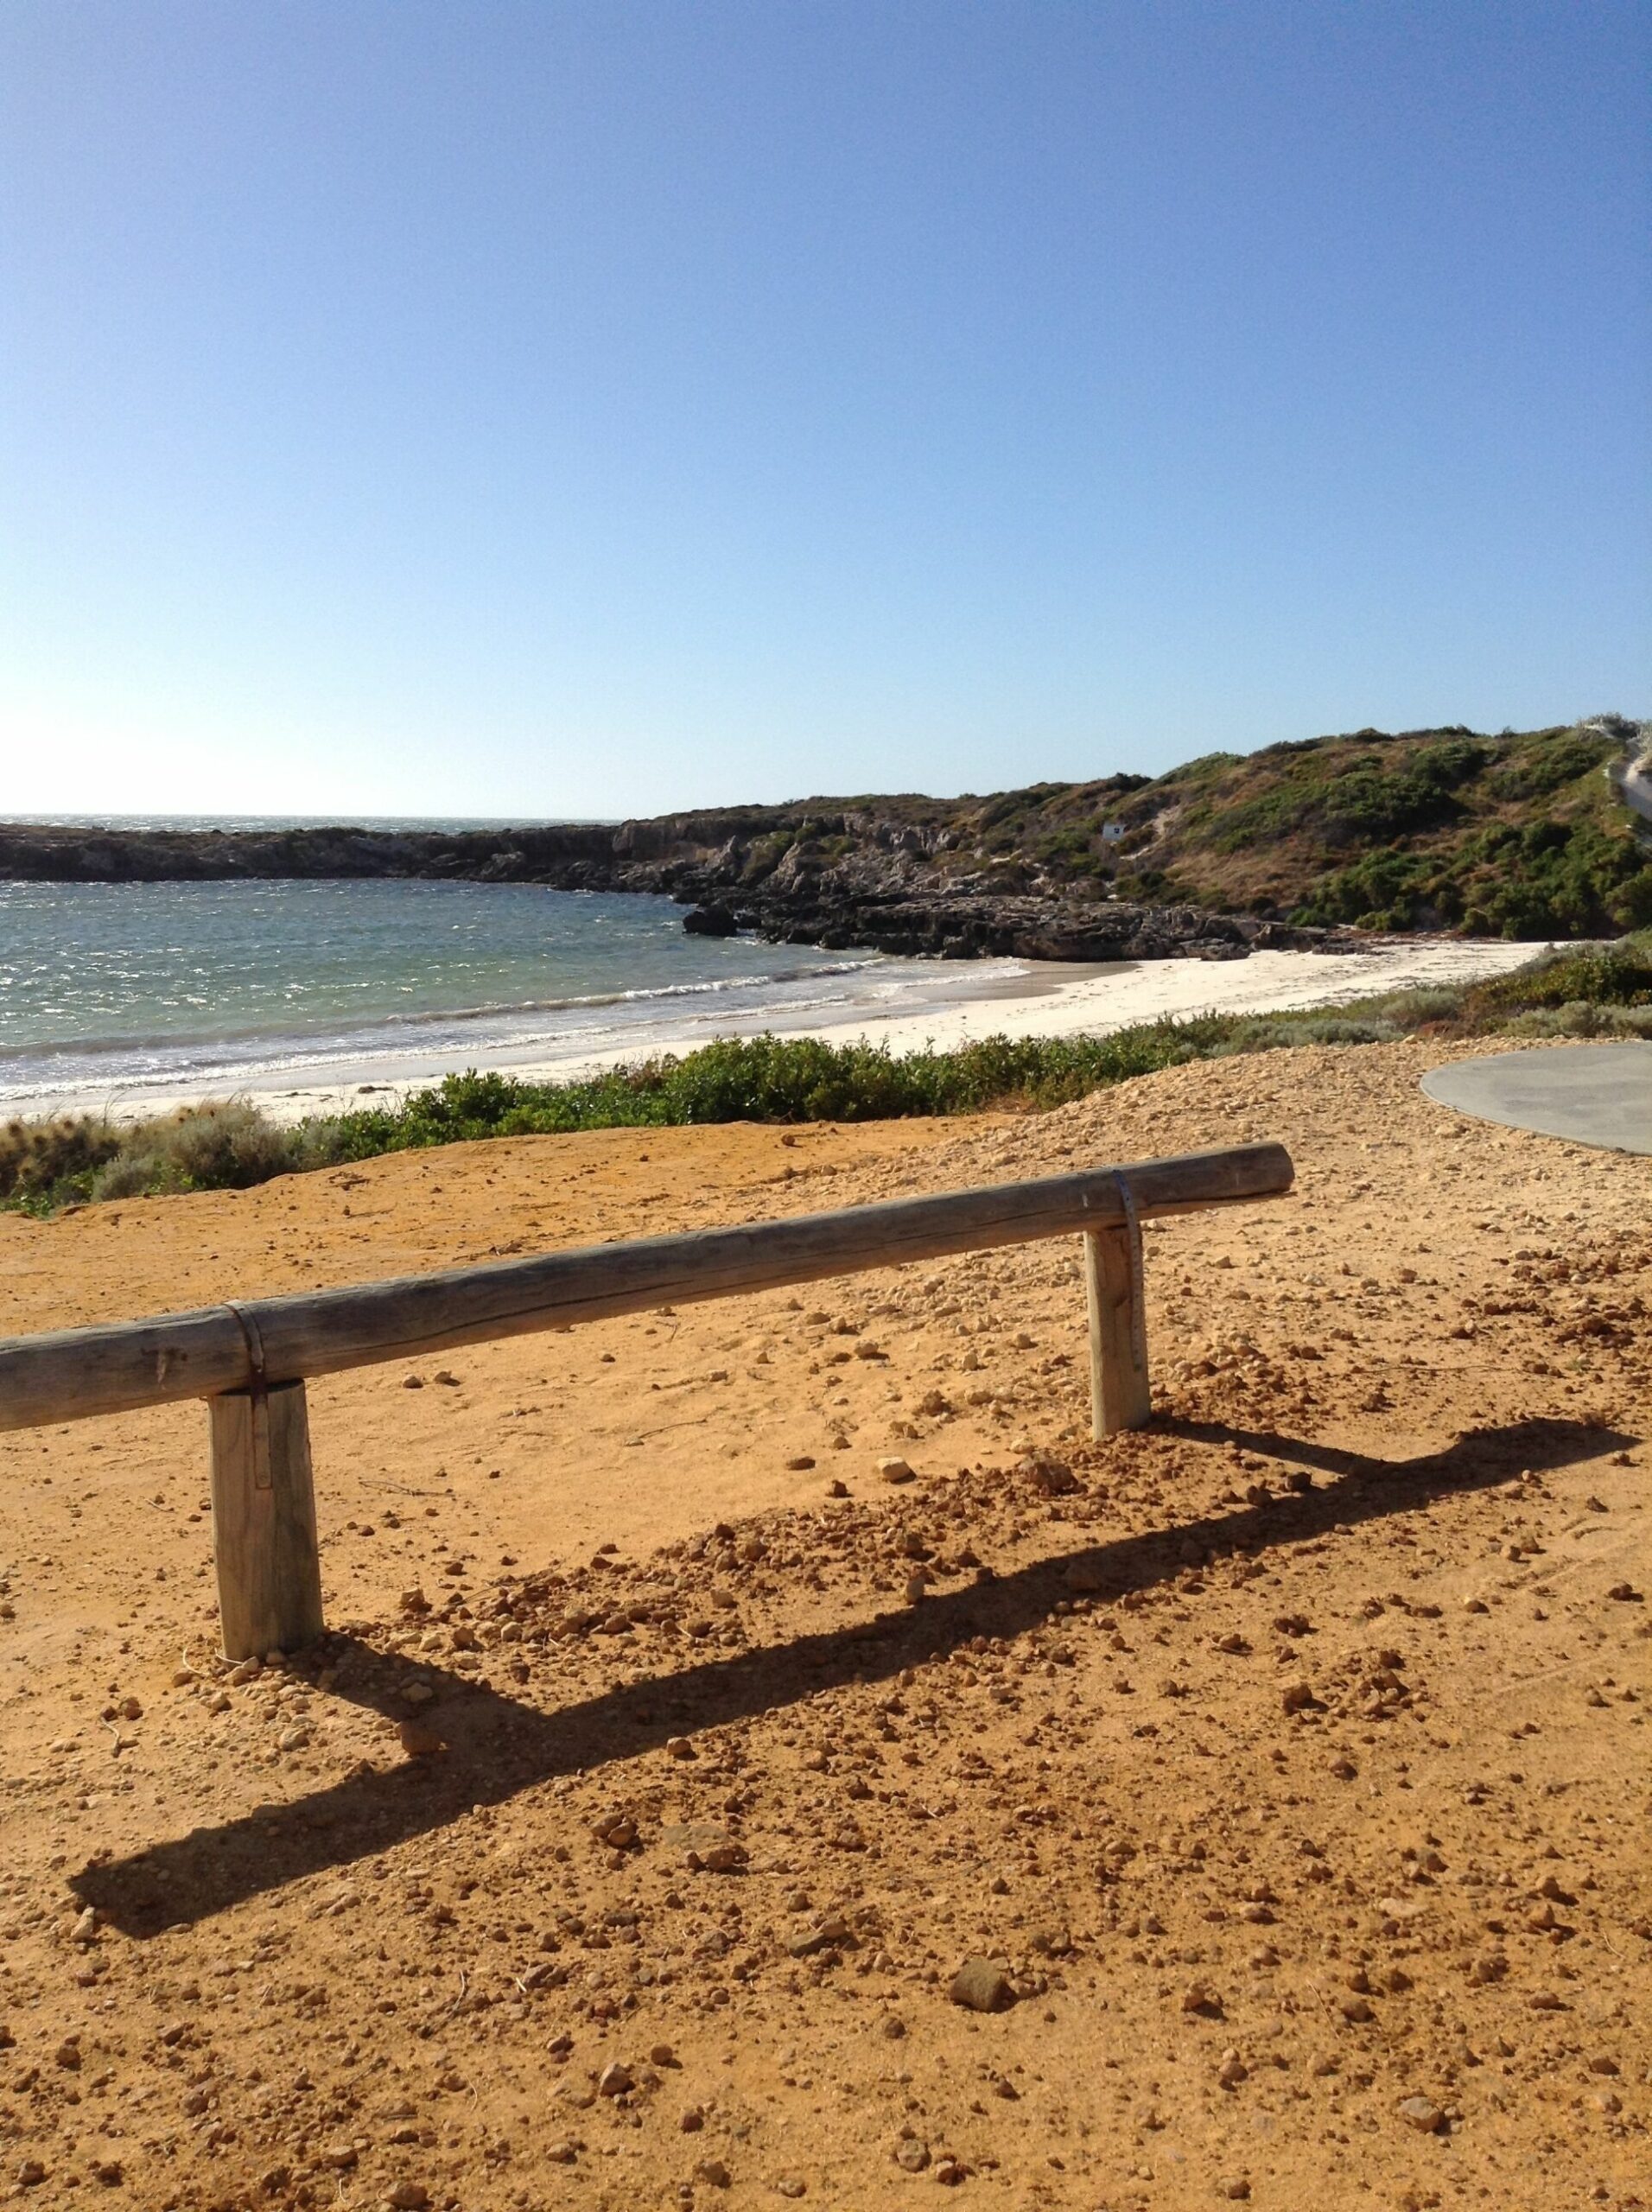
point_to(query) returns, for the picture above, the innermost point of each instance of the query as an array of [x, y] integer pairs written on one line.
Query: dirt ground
[[1282, 1767]]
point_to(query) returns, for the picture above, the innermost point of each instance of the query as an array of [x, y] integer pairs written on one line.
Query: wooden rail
[[250, 1360]]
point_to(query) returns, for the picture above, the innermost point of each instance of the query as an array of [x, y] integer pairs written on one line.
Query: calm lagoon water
[[111, 990]]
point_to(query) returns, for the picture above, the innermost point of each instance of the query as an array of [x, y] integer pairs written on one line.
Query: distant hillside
[[1523, 834], [1520, 834]]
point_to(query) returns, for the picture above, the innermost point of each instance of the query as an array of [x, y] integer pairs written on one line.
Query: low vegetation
[[1598, 991], [1519, 835]]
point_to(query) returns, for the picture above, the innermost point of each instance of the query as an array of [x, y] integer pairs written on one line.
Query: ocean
[[112, 993]]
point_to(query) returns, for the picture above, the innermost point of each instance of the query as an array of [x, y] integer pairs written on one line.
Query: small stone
[[792, 2185], [615, 2079], [1237, 2189], [562, 2153], [1624, 1593], [292, 1739], [982, 1985], [1297, 1697], [679, 1747], [419, 1739], [1198, 1997], [692, 2120], [30, 2174], [836, 1489], [408, 2197], [412, 1381], [1053, 1476], [713, 2172], [68, 2055], [911, 2156], [1422, 2113], [895, 1471], [823, 1936], [893, 2028], [84, 1930], [800, 1463], [949, 2170], [1233, 2070]]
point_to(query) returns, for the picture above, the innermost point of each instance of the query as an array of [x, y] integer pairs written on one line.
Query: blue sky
[[495, 408]]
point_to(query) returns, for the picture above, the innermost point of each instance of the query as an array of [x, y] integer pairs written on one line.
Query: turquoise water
[[111, 990]]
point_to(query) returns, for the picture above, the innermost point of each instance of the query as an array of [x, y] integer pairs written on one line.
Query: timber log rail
[[250, 1360]]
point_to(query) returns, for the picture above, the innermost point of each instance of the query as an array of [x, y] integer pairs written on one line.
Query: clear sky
[[583, 406]]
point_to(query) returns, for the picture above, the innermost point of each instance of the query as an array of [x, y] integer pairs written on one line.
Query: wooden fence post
[[263, 1521], [1120, 1396]]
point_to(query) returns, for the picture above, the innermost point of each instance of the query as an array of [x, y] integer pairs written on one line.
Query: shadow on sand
[[501, 1747]]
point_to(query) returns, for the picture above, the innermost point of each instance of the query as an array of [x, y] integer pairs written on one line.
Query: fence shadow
[[500, 1746]]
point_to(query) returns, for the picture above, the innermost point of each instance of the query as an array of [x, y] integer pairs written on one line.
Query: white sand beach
[[1033, 999]]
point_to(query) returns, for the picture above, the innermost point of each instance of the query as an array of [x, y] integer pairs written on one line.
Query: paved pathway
[[1593, 1094]]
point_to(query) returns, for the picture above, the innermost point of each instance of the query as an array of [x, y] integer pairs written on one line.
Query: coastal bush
[[228, 1147], [35, 1157]]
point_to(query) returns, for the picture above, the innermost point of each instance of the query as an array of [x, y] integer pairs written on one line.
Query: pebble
[[1053, 1476], [408, 2197], [895, 1471], [713, 2172], [910, 2155], [615, 2079], [419, 1739], [825, 1934], [1422, 2113], [982, 1985]]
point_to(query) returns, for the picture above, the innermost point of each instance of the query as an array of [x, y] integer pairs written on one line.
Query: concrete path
[[1593, 1094]]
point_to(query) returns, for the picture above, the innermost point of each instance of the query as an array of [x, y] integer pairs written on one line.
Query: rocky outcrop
[[802, 875]]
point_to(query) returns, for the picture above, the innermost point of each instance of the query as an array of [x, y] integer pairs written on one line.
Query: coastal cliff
[[1523, 835]]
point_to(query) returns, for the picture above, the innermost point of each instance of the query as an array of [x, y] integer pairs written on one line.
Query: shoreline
[[1047, 999]]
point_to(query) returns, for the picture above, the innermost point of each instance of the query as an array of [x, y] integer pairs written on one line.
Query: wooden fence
[[250, 1360]]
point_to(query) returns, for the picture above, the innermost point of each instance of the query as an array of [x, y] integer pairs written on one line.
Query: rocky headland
[[850, 878]]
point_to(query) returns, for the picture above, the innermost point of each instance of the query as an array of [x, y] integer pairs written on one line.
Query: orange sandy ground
[[319, 1970]]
